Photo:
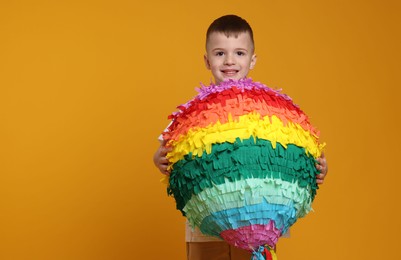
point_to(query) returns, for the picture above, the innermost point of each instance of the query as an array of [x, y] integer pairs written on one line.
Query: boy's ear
[[253, 61], [207, 63]]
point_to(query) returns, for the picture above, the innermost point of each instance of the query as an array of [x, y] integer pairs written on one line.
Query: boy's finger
[[321, 161], [163, 169], [163, 160], [319, 167], [166, 149]]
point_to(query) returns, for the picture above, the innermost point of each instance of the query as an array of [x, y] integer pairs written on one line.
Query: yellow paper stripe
[[268, 128]]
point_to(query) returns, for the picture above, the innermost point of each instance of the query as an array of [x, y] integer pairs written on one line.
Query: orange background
[[86, 86]]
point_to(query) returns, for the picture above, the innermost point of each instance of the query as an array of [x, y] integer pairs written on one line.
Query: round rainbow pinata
[[243, 162]]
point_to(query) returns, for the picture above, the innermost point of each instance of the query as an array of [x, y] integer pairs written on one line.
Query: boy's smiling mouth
[[229, 72]]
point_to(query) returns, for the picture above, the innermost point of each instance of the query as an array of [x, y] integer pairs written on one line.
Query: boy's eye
[[219, 53], [240, 53]]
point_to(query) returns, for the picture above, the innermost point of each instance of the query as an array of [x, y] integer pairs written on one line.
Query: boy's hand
[[160, 160], [322, 167]]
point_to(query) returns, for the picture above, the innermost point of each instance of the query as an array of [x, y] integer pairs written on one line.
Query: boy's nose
[[229, 60]]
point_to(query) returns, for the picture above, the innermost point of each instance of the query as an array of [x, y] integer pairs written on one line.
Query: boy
[[229, 55]]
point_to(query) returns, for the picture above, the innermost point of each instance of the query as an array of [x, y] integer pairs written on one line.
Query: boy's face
[[229, 57]]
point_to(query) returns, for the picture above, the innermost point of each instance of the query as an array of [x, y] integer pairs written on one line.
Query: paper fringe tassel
[[264, 253]]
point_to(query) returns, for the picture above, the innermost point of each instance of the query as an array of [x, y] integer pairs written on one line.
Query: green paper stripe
[[244, 193], [243, 159]]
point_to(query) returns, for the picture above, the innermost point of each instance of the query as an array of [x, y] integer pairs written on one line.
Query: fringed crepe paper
[[243, 163]]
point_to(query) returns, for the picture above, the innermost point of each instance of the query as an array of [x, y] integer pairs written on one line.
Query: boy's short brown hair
[[230, 25]]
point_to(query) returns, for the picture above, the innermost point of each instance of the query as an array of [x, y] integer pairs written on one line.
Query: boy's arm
[[322, 167], [159, 158]]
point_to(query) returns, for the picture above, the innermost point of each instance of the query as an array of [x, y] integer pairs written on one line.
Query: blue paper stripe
[[262, 214]]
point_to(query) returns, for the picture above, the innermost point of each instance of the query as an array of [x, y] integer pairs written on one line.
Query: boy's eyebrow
[[217, 49], [223, 49]]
